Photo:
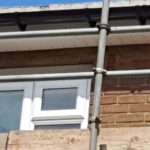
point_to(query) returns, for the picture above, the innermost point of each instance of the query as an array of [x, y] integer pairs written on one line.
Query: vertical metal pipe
[[99, 76]]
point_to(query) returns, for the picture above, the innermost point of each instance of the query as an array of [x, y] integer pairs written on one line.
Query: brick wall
[[48, 58], [125, 100]]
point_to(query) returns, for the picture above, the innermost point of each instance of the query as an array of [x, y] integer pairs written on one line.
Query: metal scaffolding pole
[[69, 32], [128, 72], [99, 75], [130, 29], [48, 33], [73, 75], [52, 76]]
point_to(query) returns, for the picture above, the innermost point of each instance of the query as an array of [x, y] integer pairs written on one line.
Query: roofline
[[57, 7]]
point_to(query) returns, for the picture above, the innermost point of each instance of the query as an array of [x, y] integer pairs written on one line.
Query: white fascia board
[[57, 7]]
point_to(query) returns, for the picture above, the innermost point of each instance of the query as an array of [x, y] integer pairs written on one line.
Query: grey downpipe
[[99, 75]]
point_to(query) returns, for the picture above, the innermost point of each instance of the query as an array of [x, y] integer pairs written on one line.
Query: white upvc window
[[61, 104], [44, 105]]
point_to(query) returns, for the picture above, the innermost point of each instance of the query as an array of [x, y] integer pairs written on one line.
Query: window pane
[[58, 126], [10, 110], [58, 99]]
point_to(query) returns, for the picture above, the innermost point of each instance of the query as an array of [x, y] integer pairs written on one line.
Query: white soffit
[[43, 43]]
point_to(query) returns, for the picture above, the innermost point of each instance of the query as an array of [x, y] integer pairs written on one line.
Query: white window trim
[[78, 115], [32, 115], [27, 87]]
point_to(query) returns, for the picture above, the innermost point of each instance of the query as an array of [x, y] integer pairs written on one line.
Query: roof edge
[[57, 7]]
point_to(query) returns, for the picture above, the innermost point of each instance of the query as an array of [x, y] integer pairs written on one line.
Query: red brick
[[142, 63], [140, 124], [148, 80], [47, 57], [147, 117], [128, 51], [132, 81], [132, 99], [139, 108], [133, 57], [124, 64], [108, 109], [107, 118], [106, 100], [110, 62], [126, 90], [129, 118], [117, 90], [148, 99], [113, 82], [68, 59], [88, 56], [113, 125]]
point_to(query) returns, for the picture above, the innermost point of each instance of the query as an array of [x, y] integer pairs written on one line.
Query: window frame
[[27, 87], [71, 116]]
